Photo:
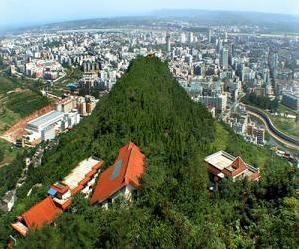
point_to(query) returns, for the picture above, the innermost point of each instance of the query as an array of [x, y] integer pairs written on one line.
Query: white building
[[47, 126], [217, 101], [40, 123]]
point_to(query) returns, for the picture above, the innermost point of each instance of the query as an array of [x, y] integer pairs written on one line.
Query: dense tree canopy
[[174, 208], [1, 155], [261, 101]]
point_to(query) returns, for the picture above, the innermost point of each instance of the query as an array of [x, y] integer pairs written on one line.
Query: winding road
[[288, 141]]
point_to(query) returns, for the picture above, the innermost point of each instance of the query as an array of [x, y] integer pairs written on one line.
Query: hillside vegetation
[[174, 209], [17, 100]]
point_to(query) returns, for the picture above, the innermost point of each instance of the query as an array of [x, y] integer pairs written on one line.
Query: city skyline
[[154, 124], [13, 14]]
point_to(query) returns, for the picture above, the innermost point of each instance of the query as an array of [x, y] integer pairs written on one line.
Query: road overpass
[[281, 137]]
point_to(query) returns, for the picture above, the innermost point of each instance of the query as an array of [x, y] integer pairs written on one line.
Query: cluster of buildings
[[219, 68], [60, 196], [122, 179], [67, 114], [216, 65], [47, 69], [243, 124]]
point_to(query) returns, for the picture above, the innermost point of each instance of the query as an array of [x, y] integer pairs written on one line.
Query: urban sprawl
[[218, 66]]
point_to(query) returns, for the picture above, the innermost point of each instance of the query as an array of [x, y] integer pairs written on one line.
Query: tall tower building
[[224, 58], [266, 75], [183, 38], [168, 43], [233, 48], [191, 38], [219, 45], [210, 36]]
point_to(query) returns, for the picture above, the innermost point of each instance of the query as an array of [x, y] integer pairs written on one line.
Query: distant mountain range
[[279, 22], [274, 22]]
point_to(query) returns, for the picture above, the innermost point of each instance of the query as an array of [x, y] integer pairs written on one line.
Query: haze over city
[[16, 13], [149, 124]]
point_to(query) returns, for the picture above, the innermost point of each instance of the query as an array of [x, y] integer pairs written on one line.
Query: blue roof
[[72, 85], [52, 191], [117, 168]]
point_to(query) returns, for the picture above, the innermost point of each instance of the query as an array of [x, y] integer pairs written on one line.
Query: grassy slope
[[10, 152], [17, 101], [6, 85], [234, 144], [288, 126]]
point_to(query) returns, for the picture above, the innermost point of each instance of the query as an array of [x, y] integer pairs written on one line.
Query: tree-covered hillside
[[174, 208]]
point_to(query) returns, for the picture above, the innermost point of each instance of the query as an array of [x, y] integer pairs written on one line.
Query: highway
[[288, 141]]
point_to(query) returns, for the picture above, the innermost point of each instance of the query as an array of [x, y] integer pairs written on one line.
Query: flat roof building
[[44, 121], [60, 195], [82, 174], [223, 165]]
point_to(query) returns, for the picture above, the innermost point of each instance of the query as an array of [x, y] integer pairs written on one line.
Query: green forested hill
[[174, 210]]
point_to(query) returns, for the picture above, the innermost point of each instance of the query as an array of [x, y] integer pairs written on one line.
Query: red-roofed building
[[122, 178], [223, 165], [60, 196], [40, 214]]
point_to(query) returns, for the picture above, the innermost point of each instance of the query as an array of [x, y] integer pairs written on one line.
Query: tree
[[174, 208], [1, 155]]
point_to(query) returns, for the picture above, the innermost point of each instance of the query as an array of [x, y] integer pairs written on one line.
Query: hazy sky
[[23, 12]]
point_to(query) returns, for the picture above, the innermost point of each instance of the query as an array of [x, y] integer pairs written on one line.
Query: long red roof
[[127, 169], [42, 213]]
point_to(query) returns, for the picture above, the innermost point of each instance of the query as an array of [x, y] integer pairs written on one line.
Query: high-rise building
[[266, 75], [233, 50], [219, 45], [191, 38], [168, 43], [258, 133], [224, 58], [210, 35], [291, 101], [217, 101], [13, 70], [183, 38]]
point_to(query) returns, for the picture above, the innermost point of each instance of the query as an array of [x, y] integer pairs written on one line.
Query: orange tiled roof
[[238, 162], [64, 204], [60, 187], [84, 181], [127, 169], [238, 165], [98, 165], [42, 213], [91, 173], [255, 176], [77, 189]]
